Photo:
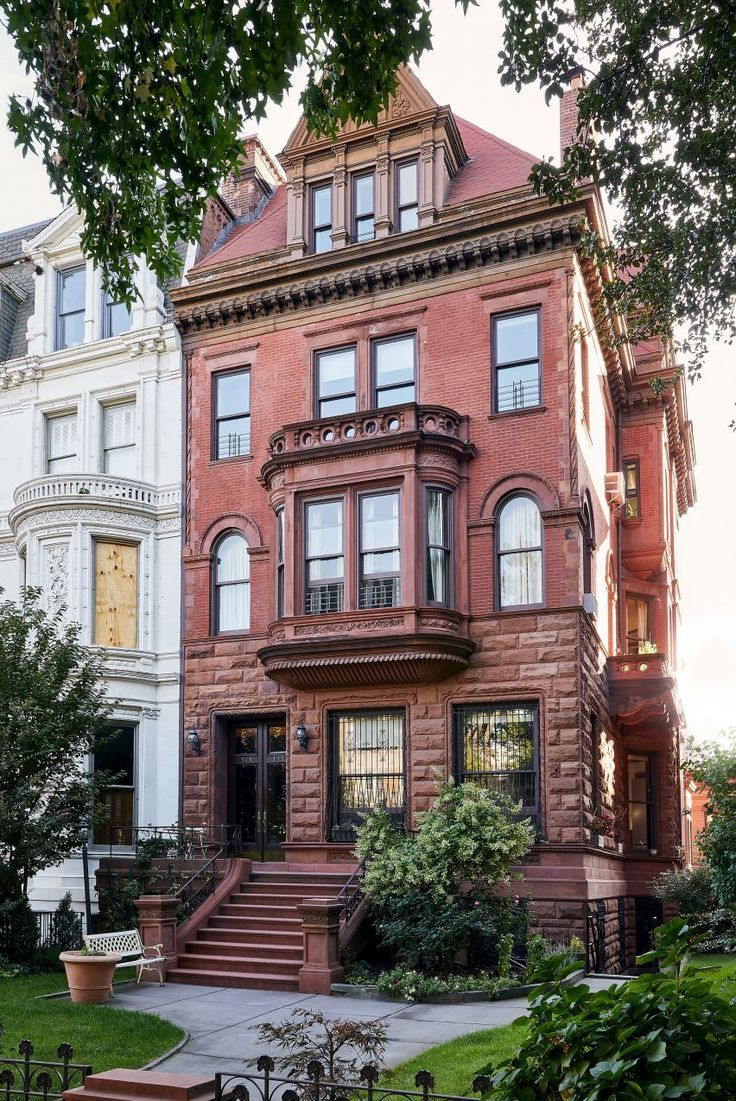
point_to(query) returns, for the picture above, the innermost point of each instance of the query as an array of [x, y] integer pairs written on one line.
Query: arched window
[[519, 554], [231, 584], [588, 550]]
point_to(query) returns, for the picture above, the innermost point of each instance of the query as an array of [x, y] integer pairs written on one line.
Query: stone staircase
[[253, 938]]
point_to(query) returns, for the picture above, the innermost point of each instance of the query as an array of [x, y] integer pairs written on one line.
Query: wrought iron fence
[[30, 1078], [47, 935], [265, 1086]]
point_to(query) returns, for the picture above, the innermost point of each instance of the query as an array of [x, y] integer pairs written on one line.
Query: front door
[[258, 785]]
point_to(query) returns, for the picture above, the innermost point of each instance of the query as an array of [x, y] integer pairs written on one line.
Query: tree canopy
[[657, 117], [713, 764], [53, 709], [138, 109]]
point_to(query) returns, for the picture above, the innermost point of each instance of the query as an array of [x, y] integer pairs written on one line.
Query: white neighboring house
[[90, 502]]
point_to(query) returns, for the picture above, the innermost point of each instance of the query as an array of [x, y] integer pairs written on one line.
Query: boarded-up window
[[116, 594]]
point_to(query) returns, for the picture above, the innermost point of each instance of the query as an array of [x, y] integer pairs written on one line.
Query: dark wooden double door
[[257, 794]]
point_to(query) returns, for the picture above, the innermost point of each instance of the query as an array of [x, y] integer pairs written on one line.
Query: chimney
[[256, 177], [569, 113]]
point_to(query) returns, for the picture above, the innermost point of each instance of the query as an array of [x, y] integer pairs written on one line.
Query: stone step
[[239, 980], [256, 965], [286, 892], [241, 921], [252, 909], [127, 1085], [244, 948], [274, 938]]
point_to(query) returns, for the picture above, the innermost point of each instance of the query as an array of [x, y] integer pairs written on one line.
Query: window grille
[[496, 746], [367, 755]]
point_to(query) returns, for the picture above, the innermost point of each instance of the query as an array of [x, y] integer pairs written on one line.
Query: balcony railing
[[368, 427], [107, 486]]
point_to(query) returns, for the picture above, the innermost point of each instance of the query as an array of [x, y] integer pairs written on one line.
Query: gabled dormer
[[372, 181], [71, 307]]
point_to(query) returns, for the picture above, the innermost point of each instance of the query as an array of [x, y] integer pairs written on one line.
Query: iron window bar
[[497, 747], [232, 444], [367, 753], [520, 394]]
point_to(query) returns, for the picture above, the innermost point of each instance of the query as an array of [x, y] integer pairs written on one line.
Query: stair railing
[[200, 886], [352, 894]]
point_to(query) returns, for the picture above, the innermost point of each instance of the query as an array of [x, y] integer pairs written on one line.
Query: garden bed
[[371, 992]]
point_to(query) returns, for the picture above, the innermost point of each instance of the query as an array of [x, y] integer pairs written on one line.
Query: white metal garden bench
[[129, 945]]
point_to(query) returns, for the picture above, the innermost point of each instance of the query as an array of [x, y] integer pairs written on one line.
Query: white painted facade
[[52, 511]]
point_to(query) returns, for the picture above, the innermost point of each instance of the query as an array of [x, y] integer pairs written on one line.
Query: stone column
[[382, 195], [340, 232], [157, 925], [321, 930]]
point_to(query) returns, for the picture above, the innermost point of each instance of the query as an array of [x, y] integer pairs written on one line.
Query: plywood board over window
[[116, 594]]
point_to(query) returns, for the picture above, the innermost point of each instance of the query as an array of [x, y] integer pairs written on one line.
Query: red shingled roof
[[493, 165]]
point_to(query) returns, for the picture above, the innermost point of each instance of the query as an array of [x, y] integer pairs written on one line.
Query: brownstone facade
[[580, 669]]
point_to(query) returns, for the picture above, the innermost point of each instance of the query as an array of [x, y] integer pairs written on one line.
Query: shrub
[[341, 1046], [406, 982], [19, 930], [716, 929], [690, 889], [657, 1036], [66, 932], [436, 892]]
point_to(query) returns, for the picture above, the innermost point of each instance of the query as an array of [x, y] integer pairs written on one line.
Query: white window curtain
[[61, 443], [232, 584], [119, 438], [520, 553]]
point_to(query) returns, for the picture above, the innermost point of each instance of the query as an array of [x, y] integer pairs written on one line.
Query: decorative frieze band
[[492, 248]]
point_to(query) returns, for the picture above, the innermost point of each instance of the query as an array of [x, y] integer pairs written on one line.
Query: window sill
[[517, 412], [232, 459], [632, 521]]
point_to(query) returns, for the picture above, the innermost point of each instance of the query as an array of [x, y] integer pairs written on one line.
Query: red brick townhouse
[[431, 522]]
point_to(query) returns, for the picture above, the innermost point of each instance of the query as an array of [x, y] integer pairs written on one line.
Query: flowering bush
[[406, 982], [435, 893]]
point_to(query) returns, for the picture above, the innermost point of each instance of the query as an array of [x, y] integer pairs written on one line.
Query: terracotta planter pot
[[89, 977]]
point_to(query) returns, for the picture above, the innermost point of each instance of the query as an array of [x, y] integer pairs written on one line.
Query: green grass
[[455, 1065], [101, 1037]]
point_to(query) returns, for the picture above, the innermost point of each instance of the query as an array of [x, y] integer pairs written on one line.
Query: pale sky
[[461, 71]]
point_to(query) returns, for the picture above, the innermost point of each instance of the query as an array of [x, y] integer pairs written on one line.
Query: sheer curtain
[[232, 583], [437, 546], [520, 553]]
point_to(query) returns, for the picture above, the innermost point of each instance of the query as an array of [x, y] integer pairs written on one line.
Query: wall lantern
[[194, 743], [301, 735]]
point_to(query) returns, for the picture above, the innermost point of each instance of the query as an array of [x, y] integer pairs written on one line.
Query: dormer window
[[70, 294], [116, 317], [322, 217], [407, 196], [364, 228]]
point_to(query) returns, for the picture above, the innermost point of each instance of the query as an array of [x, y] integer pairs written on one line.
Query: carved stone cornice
[[391, 272]]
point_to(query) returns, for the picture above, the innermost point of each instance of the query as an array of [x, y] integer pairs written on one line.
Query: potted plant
[[89, 973]]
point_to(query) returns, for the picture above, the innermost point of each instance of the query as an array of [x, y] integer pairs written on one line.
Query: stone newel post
[[321, 929], [157, 925]]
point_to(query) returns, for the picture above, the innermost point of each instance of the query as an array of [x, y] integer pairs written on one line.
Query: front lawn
[[456, 1064], [101, 1037]]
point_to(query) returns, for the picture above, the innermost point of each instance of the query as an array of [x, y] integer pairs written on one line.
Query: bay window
[[325, 557], [631, 490], [116, 594], [439, 546], [638, 624], [519, 558], [380, 553], [280, 592]]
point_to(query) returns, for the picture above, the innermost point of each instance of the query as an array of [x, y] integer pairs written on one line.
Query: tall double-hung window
[[517, 382]]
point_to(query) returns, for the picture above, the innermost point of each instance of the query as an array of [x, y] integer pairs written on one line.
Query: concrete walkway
[[222, 1023]]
